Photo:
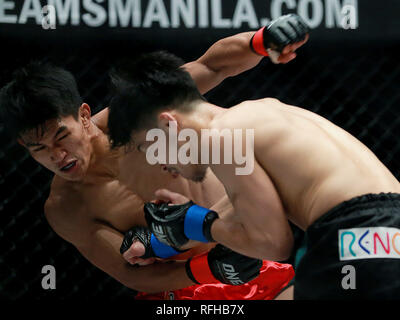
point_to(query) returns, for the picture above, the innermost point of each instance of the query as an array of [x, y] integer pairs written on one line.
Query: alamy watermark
[[349, 17], [49, 280], [238, 147], [49, 20], [349, 280]]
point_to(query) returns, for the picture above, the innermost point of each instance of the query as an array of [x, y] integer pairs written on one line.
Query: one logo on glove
[[231, 274], [166, 222], [159, 232]]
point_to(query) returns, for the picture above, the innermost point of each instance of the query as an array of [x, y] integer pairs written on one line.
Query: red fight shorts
[[273, 278]]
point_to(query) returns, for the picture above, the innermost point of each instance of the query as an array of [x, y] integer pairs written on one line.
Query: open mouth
[[69, 167]]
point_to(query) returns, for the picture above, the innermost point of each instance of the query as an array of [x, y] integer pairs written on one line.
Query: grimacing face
[[63, 147]]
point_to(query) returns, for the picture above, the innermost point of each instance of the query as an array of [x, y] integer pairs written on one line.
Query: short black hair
[[38, 92], [143, 86]]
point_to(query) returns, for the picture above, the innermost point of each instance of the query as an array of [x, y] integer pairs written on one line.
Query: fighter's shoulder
[[266, 104], [61, 192], [245, 113], [101, 119]]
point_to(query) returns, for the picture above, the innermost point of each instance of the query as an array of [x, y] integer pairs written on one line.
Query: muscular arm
[[102, 250], [251, 217], [223, 207], [257, 226], [99, 243], [225, 58]]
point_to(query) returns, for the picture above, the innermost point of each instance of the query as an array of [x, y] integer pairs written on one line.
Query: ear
[[164, 119], [85, 114]]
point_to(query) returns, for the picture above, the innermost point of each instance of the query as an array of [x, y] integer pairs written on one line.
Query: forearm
[[225, 58], [258, 225], [156, 277], [253, 227], [243, 238], [102, 248], [241, 234], [223, 207], [260, 231], [232, 55]]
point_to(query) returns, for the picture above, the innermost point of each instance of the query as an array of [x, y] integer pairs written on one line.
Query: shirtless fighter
[[97, 194], [305, 169]]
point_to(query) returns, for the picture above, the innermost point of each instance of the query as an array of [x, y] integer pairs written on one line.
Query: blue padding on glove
[[193, 225], [162, 250]]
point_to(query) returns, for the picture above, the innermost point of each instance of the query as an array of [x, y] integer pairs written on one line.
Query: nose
[[57, 154]]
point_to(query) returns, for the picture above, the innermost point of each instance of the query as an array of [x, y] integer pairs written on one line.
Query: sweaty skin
[[102, 195], [304, 166]]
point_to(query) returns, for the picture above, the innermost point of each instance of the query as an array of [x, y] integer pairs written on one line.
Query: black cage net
[[357, 89]]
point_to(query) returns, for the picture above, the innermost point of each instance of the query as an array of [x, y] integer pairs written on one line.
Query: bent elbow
[[276, 249], [284, 253], [284, 248], [133, 281], [275, 252]]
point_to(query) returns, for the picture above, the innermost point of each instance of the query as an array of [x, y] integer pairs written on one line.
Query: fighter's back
[[313, 163]]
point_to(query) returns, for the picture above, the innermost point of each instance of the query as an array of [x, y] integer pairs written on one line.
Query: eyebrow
[[34, 144]]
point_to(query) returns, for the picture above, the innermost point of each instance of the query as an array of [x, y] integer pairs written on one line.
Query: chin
[[72, 178], [75, 177]]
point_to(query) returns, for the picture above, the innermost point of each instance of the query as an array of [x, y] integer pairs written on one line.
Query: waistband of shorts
[[366, 201]]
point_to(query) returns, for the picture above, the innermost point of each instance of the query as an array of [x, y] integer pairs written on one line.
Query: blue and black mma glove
[[271, 39], [219, 265], [153, 247], [174, 225]]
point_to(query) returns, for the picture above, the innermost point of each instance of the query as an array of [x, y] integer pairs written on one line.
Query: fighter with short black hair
[[305, 169]]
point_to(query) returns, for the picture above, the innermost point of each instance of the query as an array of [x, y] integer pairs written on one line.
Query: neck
[[202, 117], [103, 162]]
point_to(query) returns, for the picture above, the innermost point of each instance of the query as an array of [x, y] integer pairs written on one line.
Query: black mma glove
[[174, 225], [153, 247], [222, 265], [279, 33]]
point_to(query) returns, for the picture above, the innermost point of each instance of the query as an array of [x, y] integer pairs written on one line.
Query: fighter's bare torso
[[313, 164]]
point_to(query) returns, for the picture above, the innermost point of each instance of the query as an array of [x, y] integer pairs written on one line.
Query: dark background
[[350, 77]]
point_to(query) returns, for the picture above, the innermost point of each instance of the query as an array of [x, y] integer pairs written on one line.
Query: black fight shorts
[[353, 251]]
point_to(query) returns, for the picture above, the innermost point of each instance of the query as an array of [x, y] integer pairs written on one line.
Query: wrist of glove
[[271, 39], [222, 265], [153, 247], [174, 225]]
